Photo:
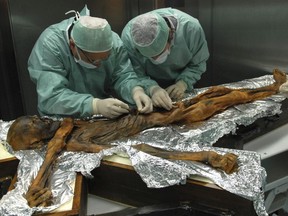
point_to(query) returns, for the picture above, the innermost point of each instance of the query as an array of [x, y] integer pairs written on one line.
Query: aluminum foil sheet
[[14, 203], [156, 172]]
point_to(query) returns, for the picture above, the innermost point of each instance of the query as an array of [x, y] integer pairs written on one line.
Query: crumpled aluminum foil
[[156, 172]]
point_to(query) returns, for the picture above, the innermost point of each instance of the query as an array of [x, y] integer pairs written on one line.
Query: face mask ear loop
[[77, 15]]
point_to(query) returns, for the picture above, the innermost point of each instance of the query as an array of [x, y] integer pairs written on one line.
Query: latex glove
[[110, 107], [143, 101], [177, 90], [284, 89], [160, 98]]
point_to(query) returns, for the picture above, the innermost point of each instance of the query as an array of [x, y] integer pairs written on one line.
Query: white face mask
[[83, 63], [162, 58]]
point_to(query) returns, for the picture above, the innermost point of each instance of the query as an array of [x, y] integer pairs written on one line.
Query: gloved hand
[[177, 90], [284, 89], [160, 98], [141, 99], [110, 107]]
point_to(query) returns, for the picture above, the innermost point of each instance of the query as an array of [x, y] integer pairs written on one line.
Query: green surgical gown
[[187, 58], [64, 87]]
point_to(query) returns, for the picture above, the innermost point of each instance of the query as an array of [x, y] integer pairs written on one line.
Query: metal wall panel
[[28, 20], [249, 38], [10, 96], [122, 10], [116, 12]]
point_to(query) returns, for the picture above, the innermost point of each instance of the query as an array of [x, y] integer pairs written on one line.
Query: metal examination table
[[273, 148]]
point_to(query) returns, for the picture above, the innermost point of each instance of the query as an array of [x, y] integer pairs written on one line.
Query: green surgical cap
[[92, 34], [149, 33]]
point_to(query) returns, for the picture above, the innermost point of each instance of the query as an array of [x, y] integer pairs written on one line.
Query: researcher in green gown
[[81, 69], [168, 51]]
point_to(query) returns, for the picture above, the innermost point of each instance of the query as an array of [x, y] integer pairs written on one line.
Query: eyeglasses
[[95, 61]]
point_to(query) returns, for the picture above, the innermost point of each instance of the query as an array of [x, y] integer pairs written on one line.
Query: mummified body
[[92, 136], [214, 100]]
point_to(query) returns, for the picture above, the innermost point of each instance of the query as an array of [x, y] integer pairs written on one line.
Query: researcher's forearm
[[191, 74]]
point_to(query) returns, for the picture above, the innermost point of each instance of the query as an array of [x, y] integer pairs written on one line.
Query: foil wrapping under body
[[247, 182]]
